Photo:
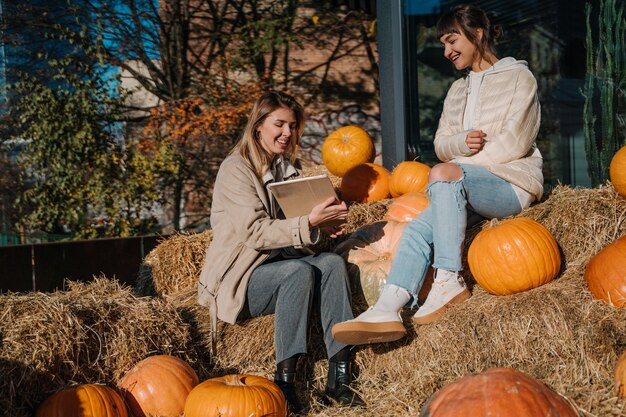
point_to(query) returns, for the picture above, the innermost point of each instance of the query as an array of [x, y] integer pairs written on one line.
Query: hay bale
[[234, 350], [582, 220], [174, 264], [557, 333], [93, 332]]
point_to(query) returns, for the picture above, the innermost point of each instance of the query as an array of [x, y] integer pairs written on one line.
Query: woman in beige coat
[[258, 262], [490, 167]]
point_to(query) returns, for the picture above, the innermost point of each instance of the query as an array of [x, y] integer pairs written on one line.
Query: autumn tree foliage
[[190, 137], [205, 62]]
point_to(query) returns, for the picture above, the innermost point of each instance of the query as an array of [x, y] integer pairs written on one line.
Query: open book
[[297, 197]]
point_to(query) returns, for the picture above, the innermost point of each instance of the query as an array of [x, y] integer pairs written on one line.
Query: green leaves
[[77, 169]]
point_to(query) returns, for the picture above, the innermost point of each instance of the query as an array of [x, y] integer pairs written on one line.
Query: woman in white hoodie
[[490, 167]]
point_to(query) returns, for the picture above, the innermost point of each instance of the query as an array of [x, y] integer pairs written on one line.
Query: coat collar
[[280, 170]]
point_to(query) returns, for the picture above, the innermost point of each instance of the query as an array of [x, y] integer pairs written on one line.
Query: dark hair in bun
[[467, 18]]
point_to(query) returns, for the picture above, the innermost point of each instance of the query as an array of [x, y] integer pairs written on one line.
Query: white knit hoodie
[[508, 111]]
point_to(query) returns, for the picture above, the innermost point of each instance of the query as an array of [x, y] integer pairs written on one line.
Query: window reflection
[[549, 34]]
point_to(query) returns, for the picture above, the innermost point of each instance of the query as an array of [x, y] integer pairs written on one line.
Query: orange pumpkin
[[346, 148], [365, 183], [408, 176], [513, 255], [369, 253], [502, 392], [235, 396], [617, 171], [86, 400], [606, 274], [620, 376], [158, 386], [406, 207]]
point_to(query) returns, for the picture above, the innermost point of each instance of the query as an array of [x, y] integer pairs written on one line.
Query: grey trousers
[[289, 288]]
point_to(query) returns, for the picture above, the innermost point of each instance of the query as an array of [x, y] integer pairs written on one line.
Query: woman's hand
[[475, 140], [327, 211]]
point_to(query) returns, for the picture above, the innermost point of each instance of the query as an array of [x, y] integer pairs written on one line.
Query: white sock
[[392, 298], [445, 275]]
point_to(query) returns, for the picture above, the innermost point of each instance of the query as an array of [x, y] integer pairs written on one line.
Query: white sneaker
[[448, 289], [380, 323]]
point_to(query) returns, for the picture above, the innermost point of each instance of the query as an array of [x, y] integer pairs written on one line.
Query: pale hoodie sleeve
[[449, 141], [520, 114], [241, 206], [517, 137]]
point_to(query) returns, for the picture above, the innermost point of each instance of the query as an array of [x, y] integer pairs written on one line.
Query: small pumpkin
[[513, 255], [369, 253], [158, 386], [408, 176], [617, 171], [620, 376], [365, 183], [503, 392], [406, 207], [605, 274], [234, 396], [346, 148], [85, 400]]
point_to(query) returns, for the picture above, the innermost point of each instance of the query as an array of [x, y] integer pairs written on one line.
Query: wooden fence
[[45, 266]]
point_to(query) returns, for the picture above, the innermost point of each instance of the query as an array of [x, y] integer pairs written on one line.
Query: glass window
[[549, 35]]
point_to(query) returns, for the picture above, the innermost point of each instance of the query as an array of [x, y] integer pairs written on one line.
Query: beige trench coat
[[245, 230]]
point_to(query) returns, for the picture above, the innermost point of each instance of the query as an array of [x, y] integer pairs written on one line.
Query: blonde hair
[[249, 146]]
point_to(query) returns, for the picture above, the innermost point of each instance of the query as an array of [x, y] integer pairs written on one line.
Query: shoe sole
[[429, 318], [363, 333]]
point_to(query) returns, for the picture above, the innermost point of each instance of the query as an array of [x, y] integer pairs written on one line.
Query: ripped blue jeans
[[440, 229]]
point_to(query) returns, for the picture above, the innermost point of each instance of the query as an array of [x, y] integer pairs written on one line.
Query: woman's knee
[[330, 260], [446, 171], [299, 272]]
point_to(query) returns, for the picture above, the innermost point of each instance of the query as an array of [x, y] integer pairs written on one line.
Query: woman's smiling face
[[277, 130], [460, 50]]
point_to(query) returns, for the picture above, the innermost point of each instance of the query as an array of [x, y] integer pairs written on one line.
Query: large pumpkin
[[617, 171], [369, 253], [606, 274], [236, 396], [513, 255], [158, 386], [502, 392], [86, 400], [620, 376], [365, 183], [346, 148], [408, 176], [406, 207]]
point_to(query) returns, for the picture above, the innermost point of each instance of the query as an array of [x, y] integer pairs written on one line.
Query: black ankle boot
[[286, 383], [339, 382]]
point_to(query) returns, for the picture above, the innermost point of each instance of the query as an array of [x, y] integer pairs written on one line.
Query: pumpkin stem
[[235, 380]]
